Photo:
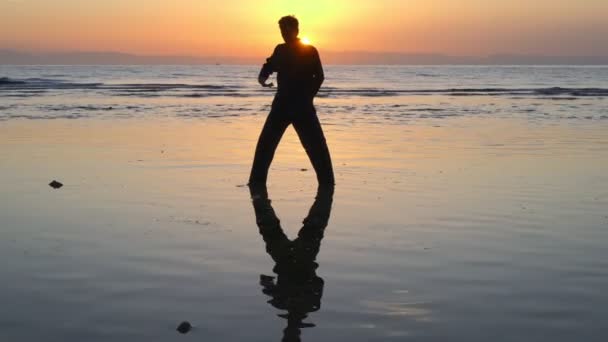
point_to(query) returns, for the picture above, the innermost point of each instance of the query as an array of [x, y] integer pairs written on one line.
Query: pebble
[[184, 327], [55, 184]]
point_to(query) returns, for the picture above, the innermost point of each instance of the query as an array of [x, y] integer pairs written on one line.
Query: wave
[[552, 91], [69, 116], [42, 83], [33, 86], [8, 81]]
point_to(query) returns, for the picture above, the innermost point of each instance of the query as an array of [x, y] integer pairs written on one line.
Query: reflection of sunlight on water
[[418, 311]]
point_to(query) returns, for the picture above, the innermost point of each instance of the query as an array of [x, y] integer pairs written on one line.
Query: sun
[[305, 40]]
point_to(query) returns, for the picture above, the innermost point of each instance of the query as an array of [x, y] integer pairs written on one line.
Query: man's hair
[[289, 21]]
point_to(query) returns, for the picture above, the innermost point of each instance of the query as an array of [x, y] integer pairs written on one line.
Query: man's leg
[[308, 127], [273, 130]]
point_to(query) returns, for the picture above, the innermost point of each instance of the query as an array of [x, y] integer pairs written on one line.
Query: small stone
[[184, 327], [303, 170], [55, 184]]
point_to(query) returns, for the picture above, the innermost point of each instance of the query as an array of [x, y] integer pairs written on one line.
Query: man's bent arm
[[268, 68]]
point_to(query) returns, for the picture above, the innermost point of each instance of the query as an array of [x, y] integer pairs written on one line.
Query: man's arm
[[318, 75], [267, 69]]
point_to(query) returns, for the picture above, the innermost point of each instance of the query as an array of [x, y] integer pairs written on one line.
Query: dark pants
[[305, 122]]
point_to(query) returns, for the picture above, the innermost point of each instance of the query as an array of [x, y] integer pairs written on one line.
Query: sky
[[249, 27]]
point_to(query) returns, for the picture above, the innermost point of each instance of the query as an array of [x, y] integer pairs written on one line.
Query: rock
[[55, 184], [184, 327], [303, 170]]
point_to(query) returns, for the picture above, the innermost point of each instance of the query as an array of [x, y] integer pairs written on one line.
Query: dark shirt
[[300, 73]]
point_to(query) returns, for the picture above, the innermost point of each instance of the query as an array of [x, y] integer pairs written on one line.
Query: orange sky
[[248, 28]]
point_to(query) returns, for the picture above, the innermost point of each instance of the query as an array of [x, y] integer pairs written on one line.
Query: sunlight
[[305, 40], [319, 19]]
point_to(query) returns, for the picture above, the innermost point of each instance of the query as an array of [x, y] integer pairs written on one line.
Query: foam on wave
[[203, 90]]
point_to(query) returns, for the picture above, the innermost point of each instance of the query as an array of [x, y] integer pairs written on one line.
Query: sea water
[[470, 205]]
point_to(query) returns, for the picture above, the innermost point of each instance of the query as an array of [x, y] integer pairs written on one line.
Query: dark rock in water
[[184, 327], [55, 184]]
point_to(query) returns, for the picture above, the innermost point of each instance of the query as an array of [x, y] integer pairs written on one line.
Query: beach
[[464, 209]]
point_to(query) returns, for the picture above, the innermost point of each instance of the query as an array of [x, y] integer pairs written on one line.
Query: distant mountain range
[[352, 57]]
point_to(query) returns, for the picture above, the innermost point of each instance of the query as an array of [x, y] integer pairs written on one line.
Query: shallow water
[[401, 94], [465, 227]]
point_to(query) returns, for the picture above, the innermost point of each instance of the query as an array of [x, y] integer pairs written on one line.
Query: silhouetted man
[[300, 75]]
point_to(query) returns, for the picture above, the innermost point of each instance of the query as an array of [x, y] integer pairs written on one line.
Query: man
[[300, 75]]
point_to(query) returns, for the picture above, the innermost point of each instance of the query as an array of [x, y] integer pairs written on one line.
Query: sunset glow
[[249, 28]]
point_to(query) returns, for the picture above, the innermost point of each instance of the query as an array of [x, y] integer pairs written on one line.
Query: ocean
[[470, 205], [392, 93]]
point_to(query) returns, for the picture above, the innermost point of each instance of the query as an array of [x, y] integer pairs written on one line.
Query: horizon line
[[90, 57], [408, 53]]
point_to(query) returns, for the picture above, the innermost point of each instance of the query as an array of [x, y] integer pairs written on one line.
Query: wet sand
[[444, 229]]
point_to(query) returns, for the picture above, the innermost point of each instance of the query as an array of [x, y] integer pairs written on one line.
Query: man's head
[[289, 28]]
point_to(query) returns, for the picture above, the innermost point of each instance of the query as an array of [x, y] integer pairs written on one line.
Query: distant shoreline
[[327, 64], [14, 57]]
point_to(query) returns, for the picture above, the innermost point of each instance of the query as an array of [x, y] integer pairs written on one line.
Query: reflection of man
[[297, 289], [300, 76]]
